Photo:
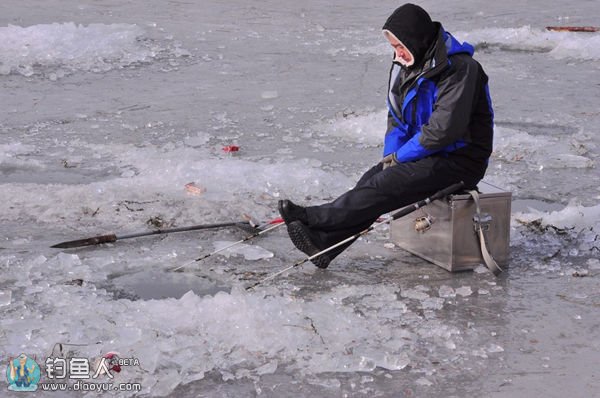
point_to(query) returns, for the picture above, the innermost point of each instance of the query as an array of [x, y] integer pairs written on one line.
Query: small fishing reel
[[423, 224]]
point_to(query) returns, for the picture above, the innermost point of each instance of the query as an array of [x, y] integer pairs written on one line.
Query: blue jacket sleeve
[[412, 150], [394, 140]]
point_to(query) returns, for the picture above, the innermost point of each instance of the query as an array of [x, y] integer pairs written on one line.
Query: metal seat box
[[450, 240]]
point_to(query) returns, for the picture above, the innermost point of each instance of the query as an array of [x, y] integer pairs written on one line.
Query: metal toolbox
[[444, 232]]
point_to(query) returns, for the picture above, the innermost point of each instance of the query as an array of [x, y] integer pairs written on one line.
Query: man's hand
[[388, 161]]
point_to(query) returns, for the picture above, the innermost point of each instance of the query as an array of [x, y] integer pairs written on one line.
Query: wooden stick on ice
[[573, 28]]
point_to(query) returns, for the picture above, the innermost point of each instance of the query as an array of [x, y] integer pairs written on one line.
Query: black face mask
[[400, 65], [414, 28], [404, 67]]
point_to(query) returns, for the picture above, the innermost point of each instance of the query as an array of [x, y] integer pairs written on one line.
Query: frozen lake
[[110, 108]]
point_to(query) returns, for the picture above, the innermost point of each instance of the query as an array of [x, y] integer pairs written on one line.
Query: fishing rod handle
[[447, 191], [438, 195]]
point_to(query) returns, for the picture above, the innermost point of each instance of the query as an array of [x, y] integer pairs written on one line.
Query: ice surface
[[302, 93], [197, 140]]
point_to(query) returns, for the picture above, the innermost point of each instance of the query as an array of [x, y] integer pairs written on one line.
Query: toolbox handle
[[479, 221]]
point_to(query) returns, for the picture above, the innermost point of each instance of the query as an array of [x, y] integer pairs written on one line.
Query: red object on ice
[[231, 148], [113, 359], [276, 221]]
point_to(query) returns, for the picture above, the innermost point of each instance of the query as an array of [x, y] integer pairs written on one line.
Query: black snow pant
[[380, 191]]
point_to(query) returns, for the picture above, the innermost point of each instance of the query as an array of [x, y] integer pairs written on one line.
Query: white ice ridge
[[368, 128], [163, 172], [572, 216], [69, 46], [559, 44], [579, 222], [541, 152], [584, 46]]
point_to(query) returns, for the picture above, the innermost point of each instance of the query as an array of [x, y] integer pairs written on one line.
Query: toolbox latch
[[482, 222]]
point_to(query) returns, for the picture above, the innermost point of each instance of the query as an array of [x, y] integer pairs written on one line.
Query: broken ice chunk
[[269, 94], [415, 294], [424, 382], [433, 303], [593, 263], [325, 382], [446, 291], [250, 252], [267, 368], [366, 379], [5, 297], [492, 348], [366, 364], [464, 291], [68, 260], [566, 160], [481, 270], [395, 362]]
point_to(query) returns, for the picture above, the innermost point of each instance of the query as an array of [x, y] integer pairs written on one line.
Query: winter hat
[[414, 28]]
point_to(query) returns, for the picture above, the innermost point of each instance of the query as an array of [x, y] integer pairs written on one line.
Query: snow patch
[[368, 129], [559, 45], [525, 38], [59, 48]]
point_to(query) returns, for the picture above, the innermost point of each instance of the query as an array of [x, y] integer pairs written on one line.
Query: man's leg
[[379, 192]]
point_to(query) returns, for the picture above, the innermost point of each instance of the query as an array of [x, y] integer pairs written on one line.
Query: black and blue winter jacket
[[440, 107]]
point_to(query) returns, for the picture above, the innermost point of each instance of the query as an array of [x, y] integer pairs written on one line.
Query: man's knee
[[369, 174]]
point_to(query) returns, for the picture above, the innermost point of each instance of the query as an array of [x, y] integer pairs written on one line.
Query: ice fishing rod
[[109, 238], [400, 213], [274, 224]]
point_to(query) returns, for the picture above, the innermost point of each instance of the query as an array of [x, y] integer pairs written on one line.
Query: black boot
[[302, 239], [291, 212]]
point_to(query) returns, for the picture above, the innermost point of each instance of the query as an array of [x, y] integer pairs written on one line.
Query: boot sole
[[301, 239]]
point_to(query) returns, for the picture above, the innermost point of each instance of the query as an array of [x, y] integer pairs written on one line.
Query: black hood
[[414, 28]]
